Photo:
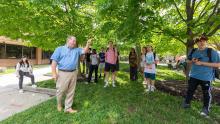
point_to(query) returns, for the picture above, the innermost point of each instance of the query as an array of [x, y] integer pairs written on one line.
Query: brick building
[[11, 52]]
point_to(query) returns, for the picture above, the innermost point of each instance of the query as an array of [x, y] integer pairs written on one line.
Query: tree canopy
[[168, 25]]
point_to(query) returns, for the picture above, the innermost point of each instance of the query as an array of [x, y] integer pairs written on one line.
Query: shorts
[[117, 67], [150, 75], [101, 65], [109, 67]]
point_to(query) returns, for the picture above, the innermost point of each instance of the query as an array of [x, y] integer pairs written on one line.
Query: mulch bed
[[179, 88]]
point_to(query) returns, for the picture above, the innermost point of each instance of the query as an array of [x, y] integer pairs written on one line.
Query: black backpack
[[209, 54]]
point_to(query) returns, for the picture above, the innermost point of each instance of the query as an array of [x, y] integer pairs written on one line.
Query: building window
[[13, 51], [8, 51], [2, 51], [30, 52], [46, 54]]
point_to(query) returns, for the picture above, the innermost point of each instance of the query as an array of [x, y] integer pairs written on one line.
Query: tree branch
[[193, 5], [213, 12], [179, 11], [178, 39], [214, 30], [172, 35], [202, 14], [188, 11], [197, 5]]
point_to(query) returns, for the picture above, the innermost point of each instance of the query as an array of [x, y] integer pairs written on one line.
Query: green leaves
[[46, 23]]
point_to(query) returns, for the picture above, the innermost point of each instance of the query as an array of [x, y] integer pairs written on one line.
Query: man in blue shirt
[[200, 74], [66, 58]]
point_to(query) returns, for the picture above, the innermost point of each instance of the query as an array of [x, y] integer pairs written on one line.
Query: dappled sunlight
[[122, 78], [113, 116], [86, 104]]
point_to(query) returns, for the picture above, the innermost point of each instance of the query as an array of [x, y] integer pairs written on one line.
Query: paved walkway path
[[11, 101]]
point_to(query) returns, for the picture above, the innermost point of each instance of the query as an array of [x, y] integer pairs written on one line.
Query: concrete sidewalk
[[11, 101]]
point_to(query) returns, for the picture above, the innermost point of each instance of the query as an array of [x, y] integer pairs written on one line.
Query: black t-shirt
[[102, 57], [88, 57]]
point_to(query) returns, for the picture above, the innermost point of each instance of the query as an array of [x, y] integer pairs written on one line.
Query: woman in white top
[[150, 68], [24, 68]]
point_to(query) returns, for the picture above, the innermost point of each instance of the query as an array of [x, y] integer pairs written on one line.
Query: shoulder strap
[[154, 56], [190, 55], [209, 54]]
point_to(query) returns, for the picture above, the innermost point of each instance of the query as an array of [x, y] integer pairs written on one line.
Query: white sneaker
[[21, 91], [147, 90], [113, 85], [86, 83], [153, 88], [106, 84], [34, 86], [144, 82]]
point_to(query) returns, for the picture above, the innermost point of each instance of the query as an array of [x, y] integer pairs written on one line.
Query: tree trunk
[[138, 51], [189, 47]]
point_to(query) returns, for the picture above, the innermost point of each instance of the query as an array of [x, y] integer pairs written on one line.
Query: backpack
[[154, 57], [209, 54]]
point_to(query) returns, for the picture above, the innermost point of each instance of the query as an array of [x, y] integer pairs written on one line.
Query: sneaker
[[152, 88], [144, 82], [185, 105], [147, 90], [34, 86], [86, 83], [21, 91], [205, 112], [106, 84], [113, 85]]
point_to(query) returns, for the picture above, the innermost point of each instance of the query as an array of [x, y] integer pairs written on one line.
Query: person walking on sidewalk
[[66, 58], [23, 68]]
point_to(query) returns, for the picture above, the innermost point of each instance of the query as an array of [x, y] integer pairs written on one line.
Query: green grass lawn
[[125, 104]]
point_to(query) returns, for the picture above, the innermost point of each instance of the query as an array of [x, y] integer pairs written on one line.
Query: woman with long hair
[[133, 61], [24, 68]]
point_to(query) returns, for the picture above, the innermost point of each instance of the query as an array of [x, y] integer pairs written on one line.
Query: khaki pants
[[66, 84]]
